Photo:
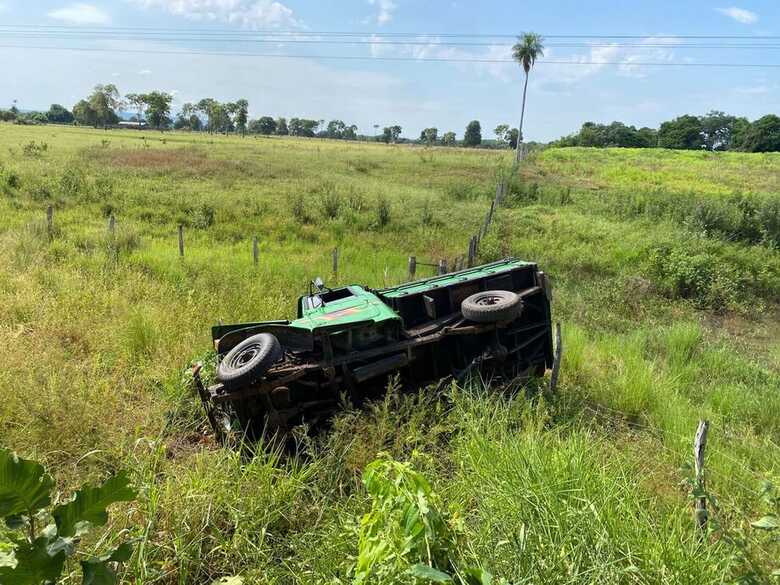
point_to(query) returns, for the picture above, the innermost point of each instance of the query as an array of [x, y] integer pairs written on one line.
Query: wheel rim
[[245, 356], [489, 300]]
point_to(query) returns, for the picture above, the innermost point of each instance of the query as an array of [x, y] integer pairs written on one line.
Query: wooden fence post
[[255, 251], [111, 226], [443, 266], [556, 369], [181, 240], [412, 267], [499, 186], [699, 444], [336, 263], [50, 220]]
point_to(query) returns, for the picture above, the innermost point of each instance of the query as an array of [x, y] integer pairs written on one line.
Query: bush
[[768, 218], [34, 149], [204, 216], [71, 182], [700, 277], [383, 211], [9, 179], [299, 209], [330, 200]]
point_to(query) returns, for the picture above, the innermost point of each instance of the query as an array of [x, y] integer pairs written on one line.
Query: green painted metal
[[368, 306], [362, 305], [446, 280]]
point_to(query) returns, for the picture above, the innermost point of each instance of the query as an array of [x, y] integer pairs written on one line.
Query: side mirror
[[318, 284]]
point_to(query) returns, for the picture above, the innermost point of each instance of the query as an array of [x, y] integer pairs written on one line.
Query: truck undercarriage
[[426, 337]]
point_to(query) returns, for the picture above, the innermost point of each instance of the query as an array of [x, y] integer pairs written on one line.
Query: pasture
[[666, 273]]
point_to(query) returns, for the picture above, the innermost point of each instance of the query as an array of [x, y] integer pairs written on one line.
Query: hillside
[[667, 278]]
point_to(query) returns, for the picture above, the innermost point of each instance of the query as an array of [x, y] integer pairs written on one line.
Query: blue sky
[[413, 93]]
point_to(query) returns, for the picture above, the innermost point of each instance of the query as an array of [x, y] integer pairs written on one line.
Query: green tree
[[763, 135], [281, 127], [684, 132], [264, 125], [526, 51], [158, 108], [501, 132], [241, 115], [718, 129], [448, 139], [138, 101], [473, 134], [350, 132], [105, 101], [335, 129], [57, 114], [208, 107], [84, 114], [390, 134], [429, 135]]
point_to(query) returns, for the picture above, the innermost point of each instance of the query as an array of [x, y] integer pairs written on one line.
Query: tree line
[[102, 109], [713, 131]]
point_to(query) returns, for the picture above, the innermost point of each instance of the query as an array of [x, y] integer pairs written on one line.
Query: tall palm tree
[[528, 48]]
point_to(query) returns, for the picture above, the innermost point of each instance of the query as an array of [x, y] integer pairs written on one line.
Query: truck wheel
[[249, 360], [492, 306]]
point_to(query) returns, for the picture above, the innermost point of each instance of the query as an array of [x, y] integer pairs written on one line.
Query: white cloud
[[385, 10], [145, 72], [80, 13], [248, 13], [739, 14]]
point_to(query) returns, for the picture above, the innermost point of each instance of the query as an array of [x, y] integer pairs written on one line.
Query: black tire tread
[[269, 352], [506, 309]]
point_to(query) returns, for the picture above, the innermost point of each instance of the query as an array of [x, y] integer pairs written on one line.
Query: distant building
[[133, 125]]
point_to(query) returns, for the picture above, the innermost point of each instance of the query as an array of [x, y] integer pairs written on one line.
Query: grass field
[[667, 278]]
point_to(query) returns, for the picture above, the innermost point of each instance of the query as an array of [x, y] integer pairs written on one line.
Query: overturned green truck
[[347, 341]]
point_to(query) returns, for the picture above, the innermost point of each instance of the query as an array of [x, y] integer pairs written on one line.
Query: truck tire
[[492, 306], [249, 360]]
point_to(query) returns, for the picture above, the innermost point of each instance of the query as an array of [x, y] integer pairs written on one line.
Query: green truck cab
[[273, 375]]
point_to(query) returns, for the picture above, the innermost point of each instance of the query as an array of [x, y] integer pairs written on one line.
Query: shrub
[[382, 211], [768, 217], [700, 277], [355, 201], [204, 216], [9, 179], [71, 182], [34, 149], [41, 536], [330, 200], [299, 209], [427, 218]]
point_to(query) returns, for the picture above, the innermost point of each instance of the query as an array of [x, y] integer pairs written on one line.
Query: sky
[[413, 80]]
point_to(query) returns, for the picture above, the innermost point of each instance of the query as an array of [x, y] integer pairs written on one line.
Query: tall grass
[[664, 323]]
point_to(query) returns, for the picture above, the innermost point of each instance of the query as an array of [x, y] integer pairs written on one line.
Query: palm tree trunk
[[522, 115]]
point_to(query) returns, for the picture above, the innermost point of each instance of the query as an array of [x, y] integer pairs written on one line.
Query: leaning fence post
[[336, 263], [556, 369], [699, 443], [255, 251], [472, 251], [412, 267], [181, 240]]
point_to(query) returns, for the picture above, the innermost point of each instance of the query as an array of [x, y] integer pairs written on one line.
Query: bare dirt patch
[[193, 161]]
